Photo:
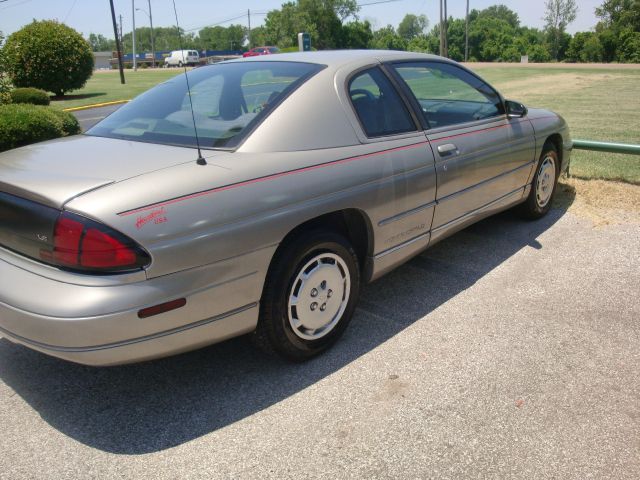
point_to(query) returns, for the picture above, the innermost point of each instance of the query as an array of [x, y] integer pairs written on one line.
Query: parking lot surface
[[88, 118], [509, 350]]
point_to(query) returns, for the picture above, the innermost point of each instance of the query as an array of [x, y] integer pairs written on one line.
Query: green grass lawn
[[598, 103], [106, 86]]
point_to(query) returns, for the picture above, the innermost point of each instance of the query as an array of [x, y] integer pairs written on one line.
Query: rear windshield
[[229, 99]]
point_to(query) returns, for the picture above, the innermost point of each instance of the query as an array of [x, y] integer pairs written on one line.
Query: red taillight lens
[[101, 250], [82, 244], [67, 241]]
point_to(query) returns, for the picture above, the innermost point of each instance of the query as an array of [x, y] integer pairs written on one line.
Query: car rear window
[[377, 104], [229, 100]]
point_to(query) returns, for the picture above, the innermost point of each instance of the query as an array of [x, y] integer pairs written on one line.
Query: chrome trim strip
[[124, 343], [406, 213], [483, 183], [402, 245], [472, 212]]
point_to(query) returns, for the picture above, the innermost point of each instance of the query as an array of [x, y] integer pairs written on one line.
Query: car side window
[[449, 95], [377, 104]]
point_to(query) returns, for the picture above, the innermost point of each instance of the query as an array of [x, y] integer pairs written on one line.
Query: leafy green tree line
[[495, 33]]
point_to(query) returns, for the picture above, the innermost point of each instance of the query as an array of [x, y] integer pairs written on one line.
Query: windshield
[[228, 99]]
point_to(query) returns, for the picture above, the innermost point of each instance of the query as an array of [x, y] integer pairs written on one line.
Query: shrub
[[34, 96], [70, 125], [48, 55], [22, 124]]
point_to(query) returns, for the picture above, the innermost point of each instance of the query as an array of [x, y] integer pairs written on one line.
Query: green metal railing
[[607, 147]]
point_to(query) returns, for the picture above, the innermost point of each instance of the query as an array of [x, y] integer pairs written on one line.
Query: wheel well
[[352, 223], [556, 141]]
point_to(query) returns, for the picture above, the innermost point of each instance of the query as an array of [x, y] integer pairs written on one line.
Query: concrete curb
[[95, 105]]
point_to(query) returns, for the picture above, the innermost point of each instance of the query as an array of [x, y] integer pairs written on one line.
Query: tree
[[387, 39], [5, 83], [619, 22], [499, 12], [222, 38], [165, 38], [50, 56], [413, 26], [99, 43], [357, 34], [558, 14]]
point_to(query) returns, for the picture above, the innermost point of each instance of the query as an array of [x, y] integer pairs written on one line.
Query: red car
[[255, 51]]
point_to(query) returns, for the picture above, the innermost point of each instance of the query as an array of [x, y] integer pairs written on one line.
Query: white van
[[178, 58]]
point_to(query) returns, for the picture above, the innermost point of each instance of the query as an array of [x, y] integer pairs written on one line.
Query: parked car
[[255, 51], [319, 172], [179, 58]]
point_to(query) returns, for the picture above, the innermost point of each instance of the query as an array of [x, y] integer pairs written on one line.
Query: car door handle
[[448, 149]]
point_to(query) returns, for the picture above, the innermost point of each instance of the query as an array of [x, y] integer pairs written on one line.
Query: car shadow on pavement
[[148, 407]]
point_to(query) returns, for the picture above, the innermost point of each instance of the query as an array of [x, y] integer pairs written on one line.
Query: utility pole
[[446, 31], [441, 32], [133, 33], [466, 35], [118, 51], [121, 31], [249, 23], [153, 47]]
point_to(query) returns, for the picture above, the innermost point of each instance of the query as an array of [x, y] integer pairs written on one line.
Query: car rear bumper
[[99, 324]]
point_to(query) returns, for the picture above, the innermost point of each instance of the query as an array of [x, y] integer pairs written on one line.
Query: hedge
[[34, 96], [23, 124]]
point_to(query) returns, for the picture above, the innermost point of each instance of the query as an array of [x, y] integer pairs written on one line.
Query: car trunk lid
[[54, 172]]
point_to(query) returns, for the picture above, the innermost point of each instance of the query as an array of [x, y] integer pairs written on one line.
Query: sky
[[94, 16]]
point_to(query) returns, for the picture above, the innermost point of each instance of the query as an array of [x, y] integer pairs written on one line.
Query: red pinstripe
[[266, 178]]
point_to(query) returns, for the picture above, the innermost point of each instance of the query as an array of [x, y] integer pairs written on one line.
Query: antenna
[[200, 160]]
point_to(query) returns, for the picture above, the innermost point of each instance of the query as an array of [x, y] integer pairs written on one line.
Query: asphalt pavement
[[510, 350], [88, 118]]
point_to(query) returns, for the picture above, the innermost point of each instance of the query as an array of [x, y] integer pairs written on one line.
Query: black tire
[[179, 64], [275, 331], [539, 201]]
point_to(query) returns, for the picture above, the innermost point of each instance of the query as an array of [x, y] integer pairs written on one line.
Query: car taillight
[[85, 245]]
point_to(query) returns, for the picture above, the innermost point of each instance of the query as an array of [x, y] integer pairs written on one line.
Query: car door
[[482, 156], [402, 204]]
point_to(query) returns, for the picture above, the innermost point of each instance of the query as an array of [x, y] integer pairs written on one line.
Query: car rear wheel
[[309, 296], [544, 184]]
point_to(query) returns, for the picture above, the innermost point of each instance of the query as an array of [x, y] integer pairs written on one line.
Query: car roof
[[339, 58]]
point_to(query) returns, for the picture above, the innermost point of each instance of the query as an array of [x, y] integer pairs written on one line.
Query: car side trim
[[484, 182], [473, 212], [268, 177], [402, 245], [400, 216]]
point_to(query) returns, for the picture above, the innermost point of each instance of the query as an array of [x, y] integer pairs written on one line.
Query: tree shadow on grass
[[152, 406]]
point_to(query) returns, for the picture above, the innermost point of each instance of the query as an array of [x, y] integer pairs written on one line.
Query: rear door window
[[378, 105]]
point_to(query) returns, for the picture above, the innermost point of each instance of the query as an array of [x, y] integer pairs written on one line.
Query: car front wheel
[[309, 295], [544, 183]]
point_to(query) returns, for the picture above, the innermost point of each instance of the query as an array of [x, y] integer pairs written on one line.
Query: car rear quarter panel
[[193, 215]]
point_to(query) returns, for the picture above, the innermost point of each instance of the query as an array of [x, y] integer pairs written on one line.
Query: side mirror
[[515, 109]]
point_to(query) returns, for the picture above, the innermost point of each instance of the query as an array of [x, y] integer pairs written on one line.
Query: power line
[[224, 21], [377, 3], [69, 12]]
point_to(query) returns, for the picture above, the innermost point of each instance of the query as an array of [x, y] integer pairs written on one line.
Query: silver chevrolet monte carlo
[[319, 172]]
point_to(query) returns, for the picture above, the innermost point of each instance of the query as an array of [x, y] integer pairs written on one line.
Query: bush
[[34, 96], [50, 56], [22, 124], [70, 125]]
